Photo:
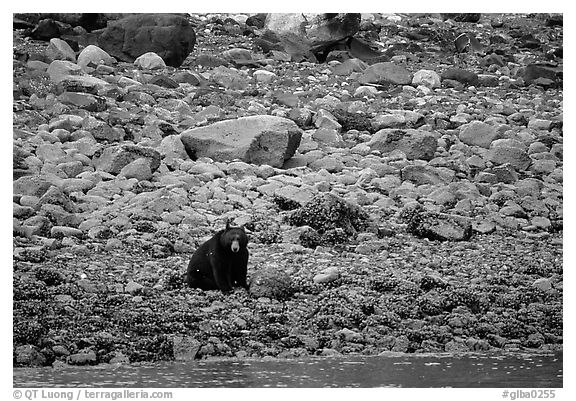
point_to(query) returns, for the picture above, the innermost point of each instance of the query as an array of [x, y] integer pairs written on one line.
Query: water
[[522, 370]]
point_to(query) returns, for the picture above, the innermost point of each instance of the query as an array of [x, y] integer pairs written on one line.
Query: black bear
[[221, 262]]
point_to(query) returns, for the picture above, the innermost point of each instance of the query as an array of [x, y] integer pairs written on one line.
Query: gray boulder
[[168, 35], [420, 175], [416, 144], [256, 139], [478, 133], [386, 73], [515, 156], [306, 34], [271, 282]]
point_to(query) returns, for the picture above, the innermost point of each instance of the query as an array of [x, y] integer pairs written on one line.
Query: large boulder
[[416, 144], [306, 34], [256, 139], [168, 35], [271, 282]]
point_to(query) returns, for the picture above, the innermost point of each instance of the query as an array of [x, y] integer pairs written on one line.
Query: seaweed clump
[[334, 219]]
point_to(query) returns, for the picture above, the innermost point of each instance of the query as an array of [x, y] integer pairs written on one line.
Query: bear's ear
[[227, 224]]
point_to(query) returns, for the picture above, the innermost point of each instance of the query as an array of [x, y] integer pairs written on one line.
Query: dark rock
[[168, 35], [416, 144], [46, 30], [114, 158], [533, 72], [257, 20], [436, 226], [555, 20], [460, 75], [528, 41], [18, 23], [462, 17], [207, 60], [256, 139]]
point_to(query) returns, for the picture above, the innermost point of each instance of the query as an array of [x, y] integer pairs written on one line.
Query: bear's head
[[234, 238]]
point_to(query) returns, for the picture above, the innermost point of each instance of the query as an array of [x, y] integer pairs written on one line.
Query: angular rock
[[55, 196], [516, 157], [169, 36], [139, 169], [478, 133], [386, 73], [172, 147], [58, 70], [293, 194], [101, 130], [84, 101], [34, 185], [328, 163], [420, 175], [50, 152], [60, 50], [133, 287], [258, 140], [349, 66], [185, 348], [229, 78], [416, 144], [114, 158]]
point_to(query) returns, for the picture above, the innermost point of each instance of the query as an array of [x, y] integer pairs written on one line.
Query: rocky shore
[[408, 199]]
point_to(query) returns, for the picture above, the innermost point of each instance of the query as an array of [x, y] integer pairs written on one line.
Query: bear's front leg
[[222, 274]]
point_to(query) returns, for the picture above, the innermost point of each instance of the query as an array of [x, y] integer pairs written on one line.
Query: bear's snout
[[235, 246]]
